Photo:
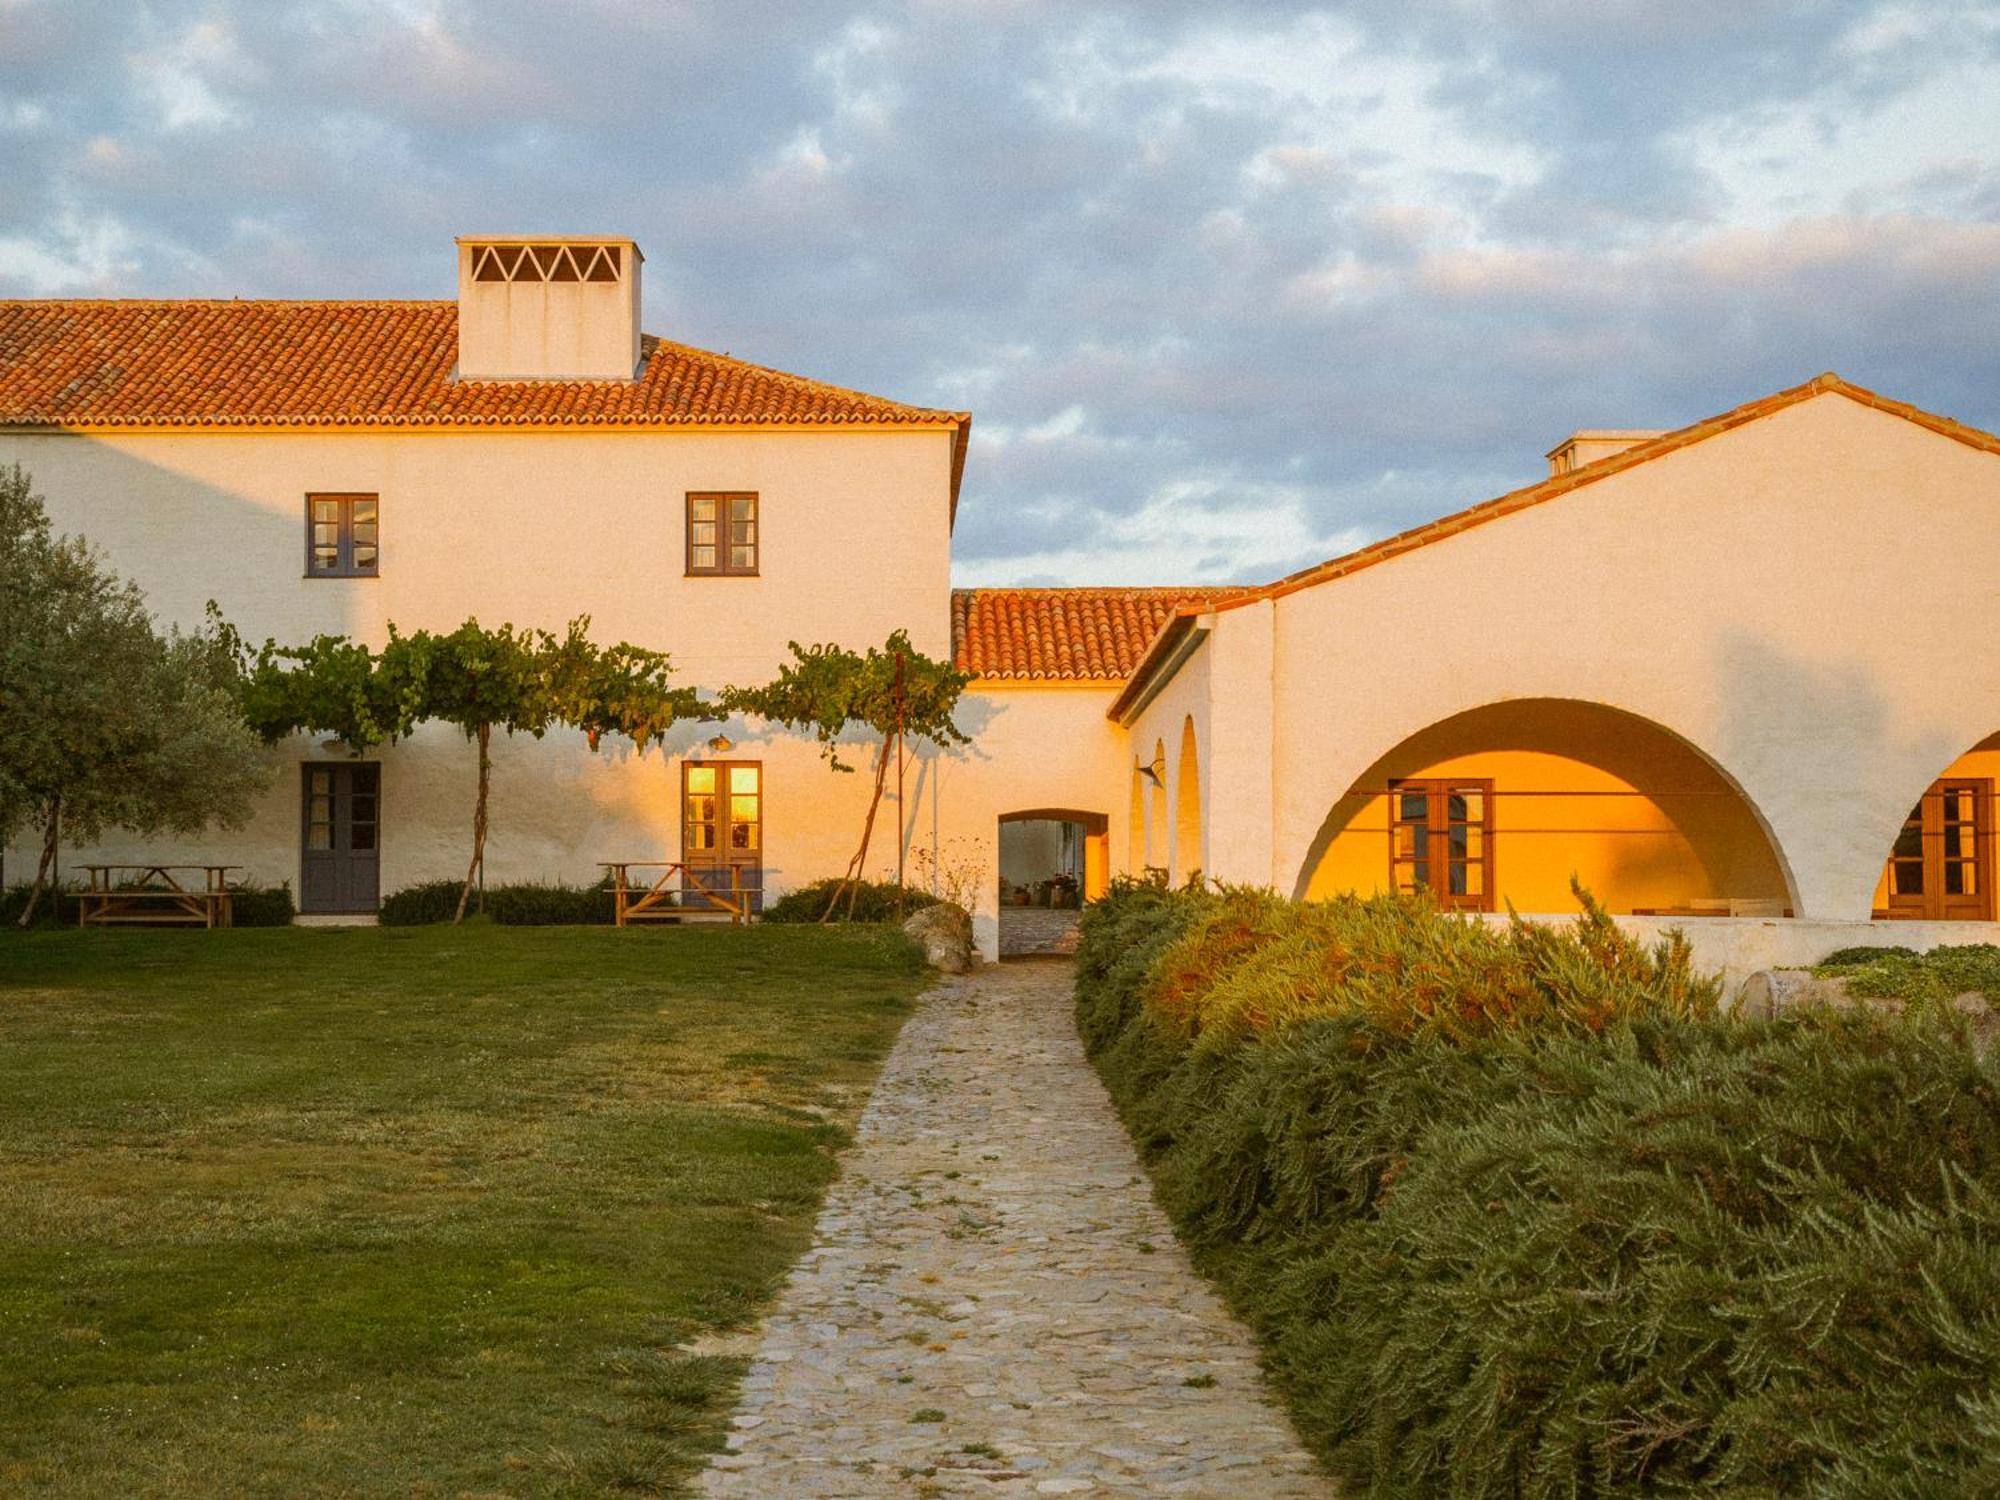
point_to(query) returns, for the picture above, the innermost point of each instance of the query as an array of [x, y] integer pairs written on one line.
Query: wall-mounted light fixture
[[721, 744], [1155, 773]]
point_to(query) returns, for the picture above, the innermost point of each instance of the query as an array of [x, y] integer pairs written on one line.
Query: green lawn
[[409, 1211]]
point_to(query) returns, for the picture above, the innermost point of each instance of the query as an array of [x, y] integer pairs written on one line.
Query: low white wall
[[1737, 947]]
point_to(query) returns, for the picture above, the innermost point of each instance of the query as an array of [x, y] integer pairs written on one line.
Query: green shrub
[[521, 904], [1575, 1235], [550, 905], [874, 901], [1845, 958], [1935, 976], [57, 907], [261, 906], [250, 906], [421, 904]]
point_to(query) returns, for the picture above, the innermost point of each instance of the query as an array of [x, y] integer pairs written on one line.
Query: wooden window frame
[[722, 499], [1438, 832], [344, 564], [1933, 903]]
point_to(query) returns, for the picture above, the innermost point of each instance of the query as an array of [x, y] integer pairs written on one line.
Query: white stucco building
[[1726, 676]]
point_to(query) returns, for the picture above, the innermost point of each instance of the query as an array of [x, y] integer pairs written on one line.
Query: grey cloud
[[1033, 208]]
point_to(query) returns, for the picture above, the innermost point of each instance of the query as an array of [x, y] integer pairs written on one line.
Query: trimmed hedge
[[554, 905], [420, 905], [526, 904], [876, 901], [1516, 1214]]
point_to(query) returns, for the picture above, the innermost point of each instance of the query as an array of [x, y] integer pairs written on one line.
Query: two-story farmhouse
[[1726, 676]]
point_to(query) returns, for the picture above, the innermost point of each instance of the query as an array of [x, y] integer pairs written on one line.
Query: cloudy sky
[[1228, 288]]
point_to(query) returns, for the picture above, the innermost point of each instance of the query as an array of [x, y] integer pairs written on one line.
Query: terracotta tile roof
[[190, 363], [1562, 484], [1078, 635]]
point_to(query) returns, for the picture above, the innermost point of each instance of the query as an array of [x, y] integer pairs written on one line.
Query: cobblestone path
[[993, 1304], [1027, 931]]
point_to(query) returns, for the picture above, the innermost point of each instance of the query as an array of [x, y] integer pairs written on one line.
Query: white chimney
[[548, 307], [1587, 447]]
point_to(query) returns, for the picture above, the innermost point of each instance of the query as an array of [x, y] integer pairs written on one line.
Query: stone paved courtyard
[[993, 1304]]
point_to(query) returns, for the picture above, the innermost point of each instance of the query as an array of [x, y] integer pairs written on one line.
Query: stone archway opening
[[1505, 804], [1052, 860]]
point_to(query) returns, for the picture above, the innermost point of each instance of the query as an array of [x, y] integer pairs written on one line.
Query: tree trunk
[[478, 866], [51, 836], [859, 863]]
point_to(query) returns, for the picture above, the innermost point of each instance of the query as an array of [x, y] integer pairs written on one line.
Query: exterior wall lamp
[[722, 744]]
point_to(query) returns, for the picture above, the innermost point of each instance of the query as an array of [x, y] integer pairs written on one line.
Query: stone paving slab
[[1037, 931], [994, 1305]]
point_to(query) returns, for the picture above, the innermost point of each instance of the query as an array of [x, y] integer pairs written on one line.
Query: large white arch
[[1595, 734]]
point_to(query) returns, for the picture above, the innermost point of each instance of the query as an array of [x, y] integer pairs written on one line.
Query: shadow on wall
[[1580, 789], [1836, 812]]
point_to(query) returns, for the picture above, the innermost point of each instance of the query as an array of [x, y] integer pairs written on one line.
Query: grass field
[[416, 1211]]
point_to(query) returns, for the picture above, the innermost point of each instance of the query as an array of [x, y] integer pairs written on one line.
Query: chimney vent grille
[[598, 263]]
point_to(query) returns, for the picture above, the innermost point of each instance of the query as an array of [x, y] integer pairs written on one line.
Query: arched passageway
[[1052, 860], [1940, 867], [1158, 849], [1187, 806], [1504, 804]]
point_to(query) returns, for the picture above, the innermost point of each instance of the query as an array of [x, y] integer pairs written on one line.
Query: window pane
[[1910, 842], [702, 559], [702, 508], [1907, 877], [743, 808], [361, 836], [742, 507], [743, 778], [322, 783], [701, 778], [742, 557], [326, 512], [743, 836], [364, 557]]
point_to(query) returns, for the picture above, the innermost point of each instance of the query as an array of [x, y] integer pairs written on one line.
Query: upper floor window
[[343, 536], [722, 534]]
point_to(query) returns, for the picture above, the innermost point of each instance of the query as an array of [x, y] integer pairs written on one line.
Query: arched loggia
[[1505, 803]]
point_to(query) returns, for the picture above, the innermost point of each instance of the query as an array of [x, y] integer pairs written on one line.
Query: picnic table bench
[[156, 895], [644, 898]]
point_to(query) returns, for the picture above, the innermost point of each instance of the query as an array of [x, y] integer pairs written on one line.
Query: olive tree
[[105, 721]]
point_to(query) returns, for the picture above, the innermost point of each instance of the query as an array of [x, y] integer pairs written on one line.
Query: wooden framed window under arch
[[1941, 866], [1441, 840]]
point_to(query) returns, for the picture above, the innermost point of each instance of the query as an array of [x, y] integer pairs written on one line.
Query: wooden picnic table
[[656, 899], [157, 895]]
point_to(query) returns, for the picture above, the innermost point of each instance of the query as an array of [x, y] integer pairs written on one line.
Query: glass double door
[[340, 858], [722, 826], [1941, 866]]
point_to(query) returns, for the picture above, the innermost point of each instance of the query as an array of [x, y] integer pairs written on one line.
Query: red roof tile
[[1078, 635], [142, 363]]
